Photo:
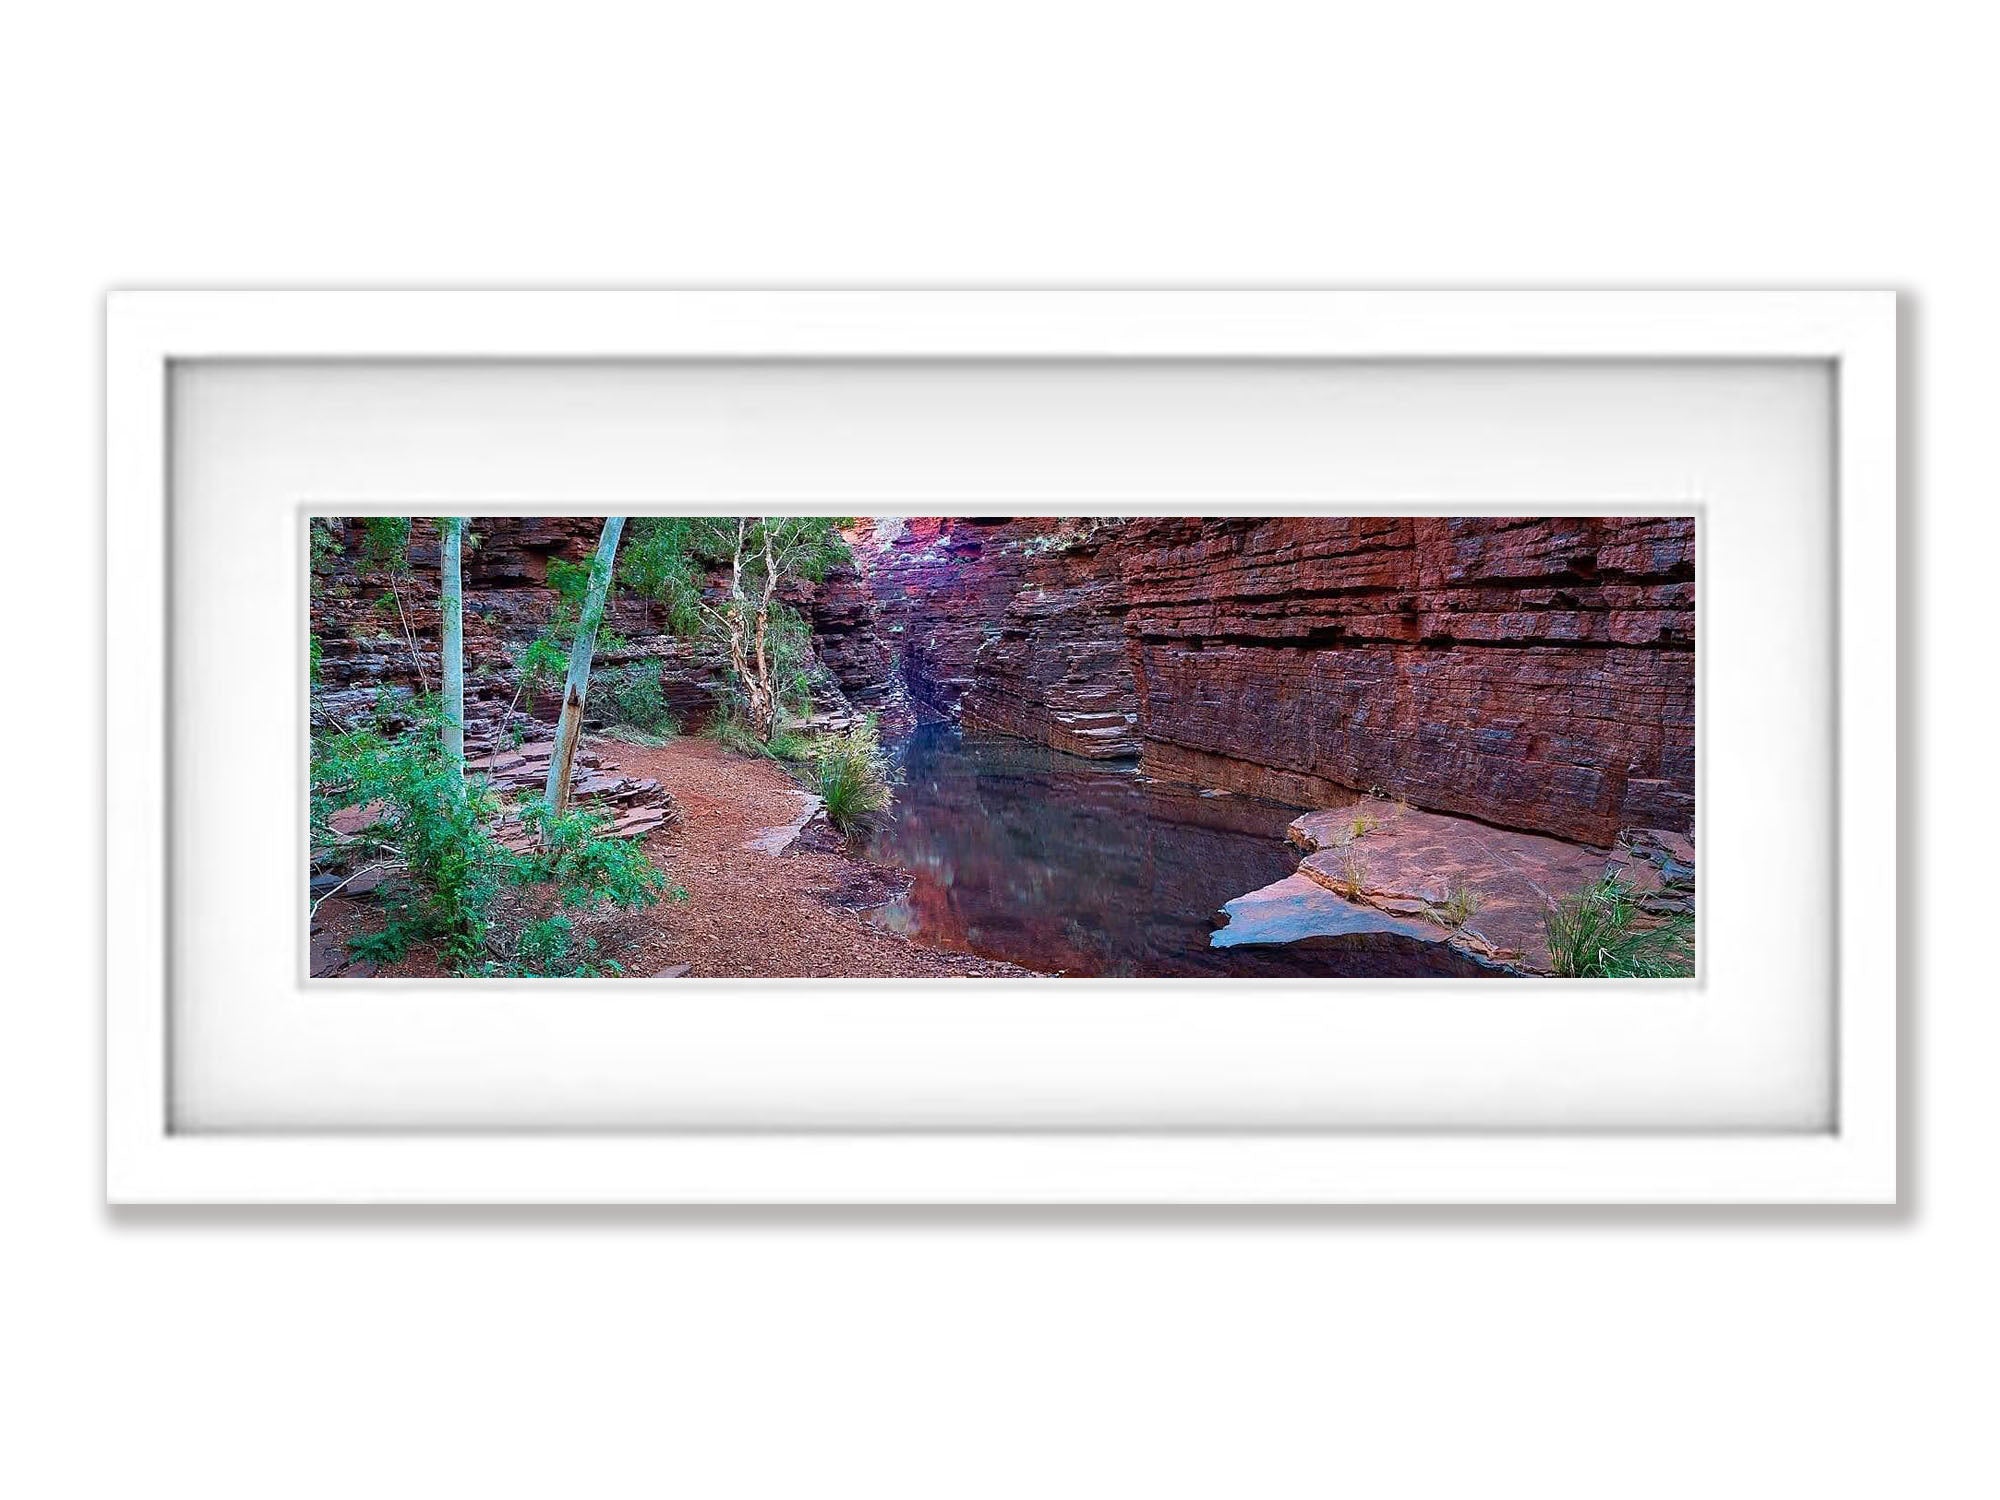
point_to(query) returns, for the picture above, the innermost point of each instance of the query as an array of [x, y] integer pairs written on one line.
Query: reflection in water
[[1074, 866]]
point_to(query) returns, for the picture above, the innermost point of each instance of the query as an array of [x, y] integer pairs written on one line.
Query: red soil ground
[[748, 913]]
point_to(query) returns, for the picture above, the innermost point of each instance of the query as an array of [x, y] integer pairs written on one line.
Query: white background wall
[[1447, 1353]]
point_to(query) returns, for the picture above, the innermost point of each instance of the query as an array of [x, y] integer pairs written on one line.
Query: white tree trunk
[[451, 532], [577, 688]]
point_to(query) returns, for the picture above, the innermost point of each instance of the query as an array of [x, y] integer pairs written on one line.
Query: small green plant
[[584, 866], [1352, 878], [1360, 822], [733, 732], [1600, 932], [549, 949], [854, 776], [1460, 904], [389, 945]]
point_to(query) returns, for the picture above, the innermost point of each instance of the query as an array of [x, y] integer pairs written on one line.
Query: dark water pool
[[1075, 866]]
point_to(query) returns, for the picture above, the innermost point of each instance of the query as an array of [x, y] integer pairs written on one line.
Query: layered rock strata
[[1536, 673]]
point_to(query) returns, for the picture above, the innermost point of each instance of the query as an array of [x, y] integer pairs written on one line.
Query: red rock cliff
[[1532, 672]]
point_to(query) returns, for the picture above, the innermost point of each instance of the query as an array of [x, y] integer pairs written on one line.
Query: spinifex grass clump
[[1460, 904], [854, 776], [1600, 932]]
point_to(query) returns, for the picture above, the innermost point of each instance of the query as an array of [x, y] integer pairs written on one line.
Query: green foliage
[[438, 823], [630, 695], [1460, 904], [544, 661], [541, 663], [669, 559], [390, 945], [788, 639], [585, 867], [854, 776], [438, 827], [385, 543], [1352, 877], [666, 558], [549, 949], [570, 582], [728, 729], [1600, 932], [323, 546]]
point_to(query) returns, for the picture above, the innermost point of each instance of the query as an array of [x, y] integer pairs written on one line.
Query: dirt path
[[750, 913], [754, 913]]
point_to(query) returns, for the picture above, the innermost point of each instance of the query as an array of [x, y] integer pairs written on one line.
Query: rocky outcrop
[[1532, 672], [1376, 868]]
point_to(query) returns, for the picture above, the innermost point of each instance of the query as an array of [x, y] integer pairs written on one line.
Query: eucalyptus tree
[[766, 640], [570, 726], [451, 594]]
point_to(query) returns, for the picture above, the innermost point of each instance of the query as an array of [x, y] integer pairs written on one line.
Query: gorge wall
[[1532, 672]]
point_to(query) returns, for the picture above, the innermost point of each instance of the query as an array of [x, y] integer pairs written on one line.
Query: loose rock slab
[[778, 840], [1298, 909], [637, 804]]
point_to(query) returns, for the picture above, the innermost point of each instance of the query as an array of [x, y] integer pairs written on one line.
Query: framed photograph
[[1001, 747]]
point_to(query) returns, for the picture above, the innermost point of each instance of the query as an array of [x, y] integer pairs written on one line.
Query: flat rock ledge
[[1381, 872], [777, 840]]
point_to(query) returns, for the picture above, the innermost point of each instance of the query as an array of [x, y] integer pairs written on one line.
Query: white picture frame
[[1851, 1159]]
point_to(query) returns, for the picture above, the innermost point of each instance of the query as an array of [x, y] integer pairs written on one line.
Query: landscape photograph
[[799, 746]]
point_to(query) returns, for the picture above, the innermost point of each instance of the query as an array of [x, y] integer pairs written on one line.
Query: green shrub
[[1600, 932], [584, 866], [854, 776], [437, 825], [630, 696], [548, 949]]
